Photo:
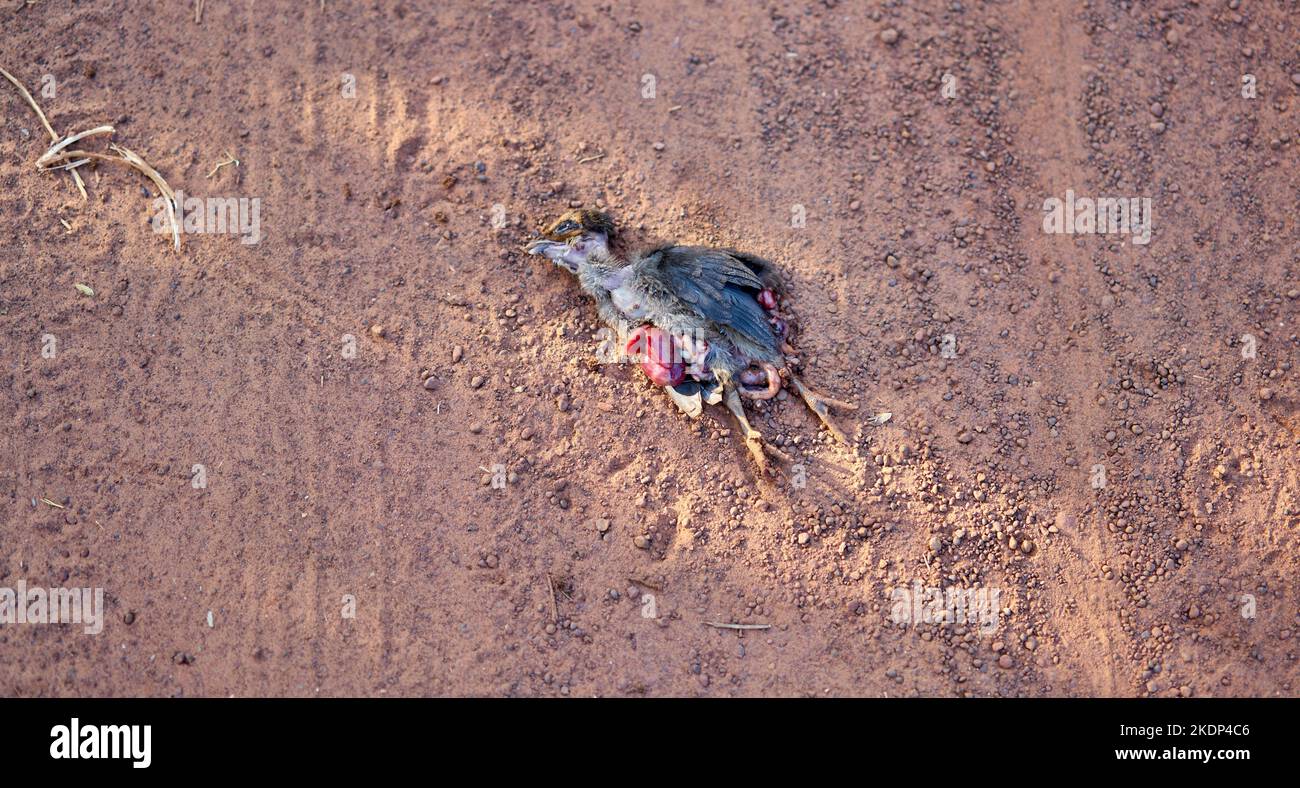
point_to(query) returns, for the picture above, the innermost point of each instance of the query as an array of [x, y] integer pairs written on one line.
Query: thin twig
[[229, 160], [23, 90], [68, 140], [76, 176], [63, 157], [737, 626], [72, 165], [555, 610], [591, 158], [152, 174]]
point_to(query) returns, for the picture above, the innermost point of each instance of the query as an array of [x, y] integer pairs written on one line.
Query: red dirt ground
[[330, 476]]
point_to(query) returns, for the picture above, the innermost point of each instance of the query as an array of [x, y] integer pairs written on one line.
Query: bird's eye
[[566, 226]]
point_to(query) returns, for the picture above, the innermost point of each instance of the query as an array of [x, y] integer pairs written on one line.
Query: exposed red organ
[[661, 358]]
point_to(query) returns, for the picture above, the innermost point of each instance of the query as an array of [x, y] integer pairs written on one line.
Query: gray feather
[[719, 287]]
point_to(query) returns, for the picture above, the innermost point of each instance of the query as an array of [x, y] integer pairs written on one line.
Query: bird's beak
[[552, 249], [556, 251], [537, 246]]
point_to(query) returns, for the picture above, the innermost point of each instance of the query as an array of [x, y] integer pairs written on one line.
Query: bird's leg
[[821, 405], [753, 439]]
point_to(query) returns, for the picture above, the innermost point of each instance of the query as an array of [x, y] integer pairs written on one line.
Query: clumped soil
[[621, 527]]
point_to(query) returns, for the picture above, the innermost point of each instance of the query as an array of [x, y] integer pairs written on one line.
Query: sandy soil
[[329, 475]]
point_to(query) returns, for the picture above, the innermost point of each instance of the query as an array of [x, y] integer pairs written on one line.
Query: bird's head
[[575, 238]]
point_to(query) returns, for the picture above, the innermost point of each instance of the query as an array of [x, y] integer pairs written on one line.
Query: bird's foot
[[821, 405], [758, 448], [755, 446]]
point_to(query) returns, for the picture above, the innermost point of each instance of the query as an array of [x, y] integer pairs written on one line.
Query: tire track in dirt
[[1051, 72]]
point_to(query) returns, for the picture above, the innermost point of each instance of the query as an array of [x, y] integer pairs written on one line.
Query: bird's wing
[[761, 267], [719, 286]]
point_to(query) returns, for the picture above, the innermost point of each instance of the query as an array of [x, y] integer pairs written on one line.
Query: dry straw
[[81, 186], [59, 156]]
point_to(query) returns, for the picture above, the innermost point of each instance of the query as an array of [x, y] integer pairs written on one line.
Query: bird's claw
[[821, 405], [753, 438], [777, 453], [754, 442]]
